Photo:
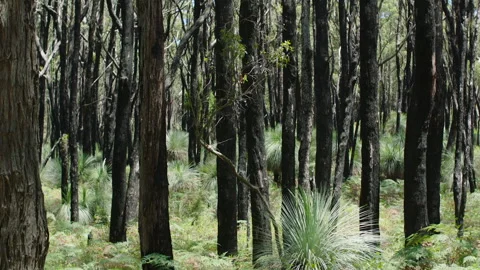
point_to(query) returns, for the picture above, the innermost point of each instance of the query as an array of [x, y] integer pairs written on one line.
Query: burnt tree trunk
[[305, 119], [418, 119], [253, 90], [437, 122], [74, 113], [369, 111], [23, 222], [225, 129], [323, 98], [118, 232]]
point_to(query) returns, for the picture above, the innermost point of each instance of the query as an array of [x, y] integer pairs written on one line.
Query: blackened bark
[[118, 231], [23, 223], [305, 119], [255, 129], [398, 67], [154, 224], [225, 130], [73, 133], [64, 101], [437, 122], [323, 98], [369, 130], [88, 101], [193, 110], [418, 119]]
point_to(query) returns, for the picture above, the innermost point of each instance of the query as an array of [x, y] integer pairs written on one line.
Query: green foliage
[[319, 234], [181, 177], [391, 157], [273, 147], [177, 145], [159, 261]]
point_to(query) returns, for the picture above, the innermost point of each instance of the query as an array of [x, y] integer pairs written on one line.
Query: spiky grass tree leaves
[[323, 235]]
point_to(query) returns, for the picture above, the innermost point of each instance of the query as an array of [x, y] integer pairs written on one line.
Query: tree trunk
[[154, 224], [323, 98], [73, 134], [118, 232], [418, 117], [369, 130], [437, 122], [305, 118], [255, 128], [131, 203], [23, 223], [225, 129], [243, 191]]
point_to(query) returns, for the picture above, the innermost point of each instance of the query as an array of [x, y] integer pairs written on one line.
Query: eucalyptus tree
[[74, 112], [225, 128], [369, 111], [23, 222], [154, 223], [418, 118], [253, 90], [323, 98], [118, 230]]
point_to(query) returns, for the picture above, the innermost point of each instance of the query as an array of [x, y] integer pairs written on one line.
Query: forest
[[239, 134]]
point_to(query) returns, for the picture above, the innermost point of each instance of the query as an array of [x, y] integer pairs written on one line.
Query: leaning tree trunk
[[154, 223], [23, 222], [418, 118], [118, 231], [323, 98], [369, 130], [72, 136]]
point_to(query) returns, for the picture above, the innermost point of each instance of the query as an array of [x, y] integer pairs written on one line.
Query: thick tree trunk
[[74, 113], [154, 224], [418, 118], [242, 190], [323, 99], [437, 122], [225, 130], [255, 128], [118, 231], [369, 130], [23, 223], [305, 119]]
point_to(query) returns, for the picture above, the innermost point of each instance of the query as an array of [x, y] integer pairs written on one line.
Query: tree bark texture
[[418, 119], [323, 98], [154, 224], [118, 232], [369, 130], [225, 129], [253, 91], [23, 223]]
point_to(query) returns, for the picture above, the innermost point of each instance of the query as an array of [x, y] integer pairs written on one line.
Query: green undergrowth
[[193, 223]]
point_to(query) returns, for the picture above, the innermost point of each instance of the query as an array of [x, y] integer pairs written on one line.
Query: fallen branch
[[50, 154], [245, 181]]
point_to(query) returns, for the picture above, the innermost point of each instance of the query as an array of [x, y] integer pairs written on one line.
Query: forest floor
[[193, 226]]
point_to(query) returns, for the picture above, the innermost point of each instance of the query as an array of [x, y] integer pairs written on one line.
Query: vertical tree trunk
[[305, 118], [418, 117], [437, 122], [118, 231], [154, 224], [255, 127], [23, 223], [131, 203], [323, 99], [64, 102], [242, 190], [225, 129], [369, 130], [73, 134]]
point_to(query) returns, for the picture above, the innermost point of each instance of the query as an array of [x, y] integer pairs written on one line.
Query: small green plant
[[177, 145], [159, 261], [320, 234]]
